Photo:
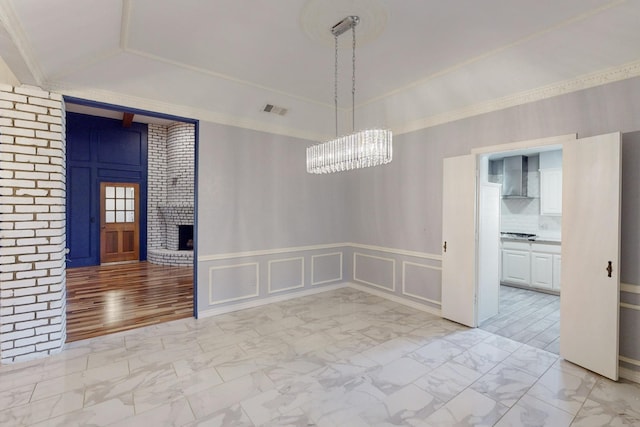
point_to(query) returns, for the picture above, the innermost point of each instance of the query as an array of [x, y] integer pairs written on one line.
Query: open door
[[488, 251], [590, 299], [459, 240]]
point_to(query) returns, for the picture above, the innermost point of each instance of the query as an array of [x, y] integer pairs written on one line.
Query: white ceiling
[[419, 62]]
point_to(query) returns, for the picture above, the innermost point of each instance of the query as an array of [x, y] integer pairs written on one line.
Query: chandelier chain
[[335, 83], [353, 82]]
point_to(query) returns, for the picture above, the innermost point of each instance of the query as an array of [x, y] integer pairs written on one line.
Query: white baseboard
[[268, 300], [629, 374], [395, 298]]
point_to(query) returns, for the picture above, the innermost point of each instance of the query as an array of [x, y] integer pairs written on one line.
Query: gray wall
[[255, 193]]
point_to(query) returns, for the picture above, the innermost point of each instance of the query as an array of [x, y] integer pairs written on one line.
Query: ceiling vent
[[270, 108]]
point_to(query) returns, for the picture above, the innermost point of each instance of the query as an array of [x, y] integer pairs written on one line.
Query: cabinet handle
[[445, 246], [609, 269]]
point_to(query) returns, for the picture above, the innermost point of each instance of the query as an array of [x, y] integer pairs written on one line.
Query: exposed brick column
[[32, 223], [156, 186]]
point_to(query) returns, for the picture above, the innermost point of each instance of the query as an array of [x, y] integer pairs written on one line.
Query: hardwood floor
[[107, 299]]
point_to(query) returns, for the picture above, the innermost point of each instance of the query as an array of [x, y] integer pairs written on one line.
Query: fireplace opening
[[185, 237]]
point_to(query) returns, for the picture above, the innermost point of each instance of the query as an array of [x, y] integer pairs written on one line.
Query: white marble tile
[[17, 396], [231, 416], [80, 380], [219, 397], [611, 403], [397, 374], [390, 350], [532, 412], [468, 408], [504, 384], [175, 413], [448, 380], [481, 357], [467, 338], [562, 390], [102, 414], [436, 353], [43, 409], [531, 359]]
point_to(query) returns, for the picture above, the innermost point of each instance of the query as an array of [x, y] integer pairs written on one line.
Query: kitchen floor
[[529, 317], [337, 358]]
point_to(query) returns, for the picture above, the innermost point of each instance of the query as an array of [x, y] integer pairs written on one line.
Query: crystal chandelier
[[365, 148]]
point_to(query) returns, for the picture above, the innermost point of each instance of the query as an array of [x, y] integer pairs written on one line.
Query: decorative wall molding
[[630, 306], [409, 294], [313, 258], [246, 254], [377, 285], [415, 254], [269, 300], [212, 301], [275, 261], [397, 299], [627, 287], [266, 252]]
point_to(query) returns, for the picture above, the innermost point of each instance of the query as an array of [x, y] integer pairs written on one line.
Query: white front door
[[459, 242], [589, 302]]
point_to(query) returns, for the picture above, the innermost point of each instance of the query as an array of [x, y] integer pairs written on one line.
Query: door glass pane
[[110, 191], [130, 192], [110, 216], [119, 204], [110, 204], [130, 216], [120, 193], [129, 205], [119, 216]]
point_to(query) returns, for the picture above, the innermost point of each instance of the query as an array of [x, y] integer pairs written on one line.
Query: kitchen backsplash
[[523, 215]]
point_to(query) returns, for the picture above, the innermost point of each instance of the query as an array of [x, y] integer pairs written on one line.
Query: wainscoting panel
[[285, 274], [233, 282], [375, 271], [326, 268], [418, 280], [629, 321]]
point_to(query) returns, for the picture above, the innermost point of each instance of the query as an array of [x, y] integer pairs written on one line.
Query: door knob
[[609, 269], [445, 246]]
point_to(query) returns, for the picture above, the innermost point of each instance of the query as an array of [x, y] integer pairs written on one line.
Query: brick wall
[[180, 164], [32, 223], [156, 186]]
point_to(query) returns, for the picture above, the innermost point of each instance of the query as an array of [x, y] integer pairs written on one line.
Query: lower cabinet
[[515, 266], [541, 270], [537, 265]]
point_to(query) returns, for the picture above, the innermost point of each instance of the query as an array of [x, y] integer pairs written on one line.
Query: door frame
[[523, 146]]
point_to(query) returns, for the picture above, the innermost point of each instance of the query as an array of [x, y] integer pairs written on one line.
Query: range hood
[[514, 184]]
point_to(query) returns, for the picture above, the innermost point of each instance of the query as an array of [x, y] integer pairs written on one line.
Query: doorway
[[116, 184], [527, 215], [590, 249]]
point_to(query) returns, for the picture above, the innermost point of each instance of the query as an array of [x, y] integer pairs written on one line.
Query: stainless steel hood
[[514, 184]]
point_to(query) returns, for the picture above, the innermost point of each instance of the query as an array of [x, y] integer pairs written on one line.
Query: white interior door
[[589, 302], [459, 243], [488, 251]]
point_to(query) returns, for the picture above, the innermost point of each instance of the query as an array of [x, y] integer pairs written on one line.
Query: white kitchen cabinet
[[532, 264], [516, 266], [541, 270], [551, 192], [557, 268]]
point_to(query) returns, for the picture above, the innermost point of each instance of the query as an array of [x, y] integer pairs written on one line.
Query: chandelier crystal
[[366, 148]]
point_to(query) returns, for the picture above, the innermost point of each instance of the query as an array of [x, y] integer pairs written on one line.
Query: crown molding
[[587, 81], [610, 75]]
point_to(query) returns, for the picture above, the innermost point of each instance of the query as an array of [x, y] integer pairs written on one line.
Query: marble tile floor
[[337, 358], [528, 317]]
